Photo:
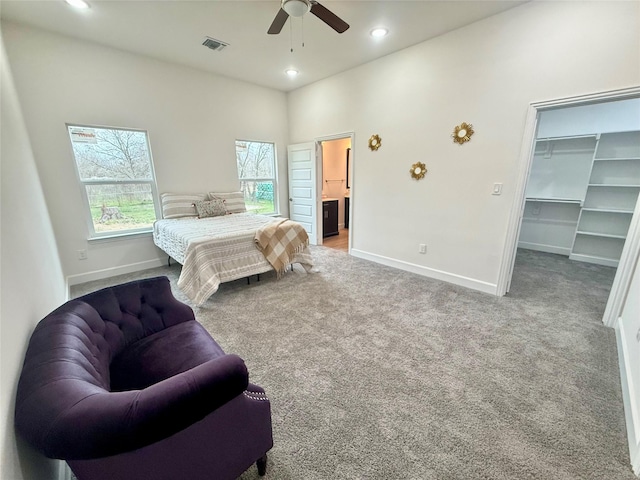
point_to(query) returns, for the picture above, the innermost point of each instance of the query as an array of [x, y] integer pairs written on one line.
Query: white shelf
[[570, 137], [619, 145], [608, 262], [561, 168], [611, 198], [614, 159], [581, 194], [603, 235], [554, 200], [608, 210], [612, 193], [615, 185], [598, 246]]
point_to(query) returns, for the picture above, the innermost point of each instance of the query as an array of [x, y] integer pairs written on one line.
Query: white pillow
[[233, 201], [176, 205]]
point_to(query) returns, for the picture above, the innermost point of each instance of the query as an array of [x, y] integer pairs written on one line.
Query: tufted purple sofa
[[123, 383]]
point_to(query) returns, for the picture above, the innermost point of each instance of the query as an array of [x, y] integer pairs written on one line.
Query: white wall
[[32, 282], [192, 117], [619, 116], [486, 74], [628, 333]]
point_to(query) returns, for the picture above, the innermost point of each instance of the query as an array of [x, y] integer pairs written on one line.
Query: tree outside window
[[257, 173], [116, 171]]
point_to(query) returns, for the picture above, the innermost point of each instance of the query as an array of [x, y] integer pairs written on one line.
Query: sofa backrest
[[70, 350], [135, 310]]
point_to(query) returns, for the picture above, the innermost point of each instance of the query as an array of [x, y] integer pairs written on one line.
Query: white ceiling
[[174, 31]]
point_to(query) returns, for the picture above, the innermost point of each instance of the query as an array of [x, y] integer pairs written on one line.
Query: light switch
[[497, 189]]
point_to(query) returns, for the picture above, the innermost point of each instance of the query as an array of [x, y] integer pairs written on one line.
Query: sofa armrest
[[110, 423]]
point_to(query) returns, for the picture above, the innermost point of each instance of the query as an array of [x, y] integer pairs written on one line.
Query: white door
[[303, 188]]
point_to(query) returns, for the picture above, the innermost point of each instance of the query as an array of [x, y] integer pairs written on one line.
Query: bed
[[215, 249]]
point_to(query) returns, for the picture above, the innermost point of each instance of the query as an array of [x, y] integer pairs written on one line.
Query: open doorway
[[336, 176], [589, 196], [577, 215]]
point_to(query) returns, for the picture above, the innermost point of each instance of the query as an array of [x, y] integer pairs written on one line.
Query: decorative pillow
[[234, 201], [176, 205], [210, 208]]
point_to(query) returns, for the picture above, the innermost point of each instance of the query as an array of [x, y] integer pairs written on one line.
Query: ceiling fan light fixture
[[296, 8]]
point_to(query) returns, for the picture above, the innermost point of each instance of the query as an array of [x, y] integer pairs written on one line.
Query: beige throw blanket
[[280, 241]]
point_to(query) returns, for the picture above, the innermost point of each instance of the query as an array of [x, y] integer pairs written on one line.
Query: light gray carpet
[[375, 373]]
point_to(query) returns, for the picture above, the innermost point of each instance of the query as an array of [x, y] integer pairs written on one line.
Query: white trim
[[517, 209], [626, 267], [541, 247], [113, 271], [472, 283], [128, 235], [632, 415]]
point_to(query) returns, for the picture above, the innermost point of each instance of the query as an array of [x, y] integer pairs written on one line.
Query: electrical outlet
[[422, 248], [82, 254]]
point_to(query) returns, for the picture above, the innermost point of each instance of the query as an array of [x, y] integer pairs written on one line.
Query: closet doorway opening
[[580, 191], [336, 173]]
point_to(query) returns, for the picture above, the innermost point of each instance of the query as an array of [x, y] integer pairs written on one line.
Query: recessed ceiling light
[[292, 72], [77, 3], [379, 32]]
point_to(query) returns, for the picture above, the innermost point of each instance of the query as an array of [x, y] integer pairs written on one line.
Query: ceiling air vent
[[214, 44]]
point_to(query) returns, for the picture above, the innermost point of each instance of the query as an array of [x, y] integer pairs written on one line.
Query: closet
[[581, 194]]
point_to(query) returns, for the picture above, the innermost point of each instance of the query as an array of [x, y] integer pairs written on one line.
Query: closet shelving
[[612, 193], [555, 192], [581, 195]]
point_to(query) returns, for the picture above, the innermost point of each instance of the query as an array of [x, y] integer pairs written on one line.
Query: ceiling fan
[[297, 8]]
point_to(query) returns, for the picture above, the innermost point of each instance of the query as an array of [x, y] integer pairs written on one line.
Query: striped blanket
[[214, 250], [280, 241]]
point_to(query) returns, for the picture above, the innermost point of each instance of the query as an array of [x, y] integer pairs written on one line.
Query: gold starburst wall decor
[[462, 133], [374, 142], [418, 170]]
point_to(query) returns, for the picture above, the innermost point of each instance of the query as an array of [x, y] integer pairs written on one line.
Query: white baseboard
[[428, 272], [541, 247], [631, 402], [113, 271]]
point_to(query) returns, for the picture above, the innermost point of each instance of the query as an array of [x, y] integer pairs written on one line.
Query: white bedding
[[214, 250]]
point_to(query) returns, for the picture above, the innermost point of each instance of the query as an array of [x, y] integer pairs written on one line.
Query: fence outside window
[[256, 163], [115, 171]]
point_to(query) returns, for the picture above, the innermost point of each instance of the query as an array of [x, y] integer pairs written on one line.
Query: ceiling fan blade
[[278, 22], [329, 17]]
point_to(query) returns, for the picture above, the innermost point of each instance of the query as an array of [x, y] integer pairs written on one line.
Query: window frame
[[131, 232], [274, 180]]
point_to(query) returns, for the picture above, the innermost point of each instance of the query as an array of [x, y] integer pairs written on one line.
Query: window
[[115, 169], [257, 174]]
